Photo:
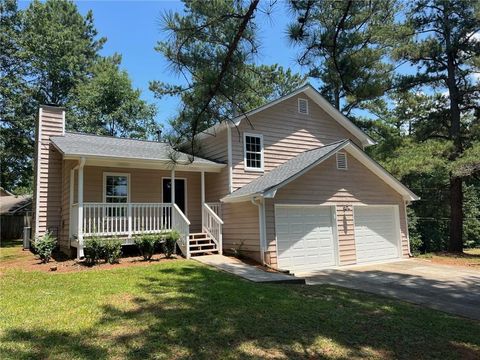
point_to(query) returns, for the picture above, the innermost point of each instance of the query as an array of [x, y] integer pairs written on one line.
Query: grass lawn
[[181, 309]]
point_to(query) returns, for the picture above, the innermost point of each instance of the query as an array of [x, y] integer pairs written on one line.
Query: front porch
[[114, 202]]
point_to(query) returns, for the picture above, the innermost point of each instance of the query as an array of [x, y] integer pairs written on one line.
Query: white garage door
[[305, 238], [376, 233]]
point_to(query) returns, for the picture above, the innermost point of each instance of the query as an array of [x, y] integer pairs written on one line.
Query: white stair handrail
[[182, 225], [212, 225]]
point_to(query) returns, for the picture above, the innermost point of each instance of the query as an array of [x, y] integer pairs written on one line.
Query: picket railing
[[212, 225], [107, 219]]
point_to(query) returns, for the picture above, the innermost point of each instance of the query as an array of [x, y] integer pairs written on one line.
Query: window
[[116, 191], [341, 161], [303, 106], [253, 152]]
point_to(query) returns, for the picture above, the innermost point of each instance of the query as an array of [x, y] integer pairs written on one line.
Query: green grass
[[9, 249], [181, 309]]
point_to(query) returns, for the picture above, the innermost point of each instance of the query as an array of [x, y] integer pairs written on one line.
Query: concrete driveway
[[451, 289]]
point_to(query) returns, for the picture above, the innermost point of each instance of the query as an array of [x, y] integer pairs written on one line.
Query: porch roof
[[76, 145]]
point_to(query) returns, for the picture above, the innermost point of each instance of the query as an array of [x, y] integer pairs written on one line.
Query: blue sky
[[132, 28]]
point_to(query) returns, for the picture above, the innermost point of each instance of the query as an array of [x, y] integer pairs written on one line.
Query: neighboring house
[[15, 212], [287, 184]]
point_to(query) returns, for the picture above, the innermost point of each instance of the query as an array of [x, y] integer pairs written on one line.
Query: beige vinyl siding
[[325, 185], [64, 240], [286, 133], [146, 187], [214, 147], [48, 167], [241, 229]]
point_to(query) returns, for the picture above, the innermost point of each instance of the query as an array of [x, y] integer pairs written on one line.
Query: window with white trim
[[303, 106], [116, 192], [253, 148], [342, 161]]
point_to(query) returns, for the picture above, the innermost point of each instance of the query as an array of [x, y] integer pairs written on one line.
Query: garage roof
[[266, 185]]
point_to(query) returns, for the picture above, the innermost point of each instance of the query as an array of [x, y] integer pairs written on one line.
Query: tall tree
[[212, 46], [16, 103], [49, 54], [345, 44], [60, 45], [107, 104], [444, 47]]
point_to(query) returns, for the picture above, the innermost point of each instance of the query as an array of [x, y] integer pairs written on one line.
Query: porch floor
[[246, 271]]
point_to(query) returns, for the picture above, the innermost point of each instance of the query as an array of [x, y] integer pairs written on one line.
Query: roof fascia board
[[382, 173], [339, 117]]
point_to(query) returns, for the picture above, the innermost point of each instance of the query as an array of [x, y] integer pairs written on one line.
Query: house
[[287, 184], [15, 214]]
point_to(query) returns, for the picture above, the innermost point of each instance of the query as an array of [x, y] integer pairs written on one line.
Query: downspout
[[262, 226], [405, 204]]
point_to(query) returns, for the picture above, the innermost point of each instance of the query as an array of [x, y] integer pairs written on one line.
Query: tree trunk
[[456, 190], [456, 215]]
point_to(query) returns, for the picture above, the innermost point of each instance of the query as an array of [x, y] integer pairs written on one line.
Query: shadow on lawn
[[196, 312], [43, 344], [206, 315]]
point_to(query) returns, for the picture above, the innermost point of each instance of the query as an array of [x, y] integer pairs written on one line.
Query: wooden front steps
[[201, 244]]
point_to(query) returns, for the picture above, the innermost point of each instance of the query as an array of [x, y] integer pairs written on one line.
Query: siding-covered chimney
[[47, 196]]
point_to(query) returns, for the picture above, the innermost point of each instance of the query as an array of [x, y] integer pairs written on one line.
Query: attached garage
[[305, 237], [377, 233]]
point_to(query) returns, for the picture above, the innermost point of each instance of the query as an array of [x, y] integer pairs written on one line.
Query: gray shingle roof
[[74, 144], [285, 171]]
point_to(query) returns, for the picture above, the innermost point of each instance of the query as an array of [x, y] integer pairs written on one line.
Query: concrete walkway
[[451, 289], [246, 271]]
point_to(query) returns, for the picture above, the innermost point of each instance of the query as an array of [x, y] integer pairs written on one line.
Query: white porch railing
[[182, 225], [212, 225], [106, 219], [216, 207]]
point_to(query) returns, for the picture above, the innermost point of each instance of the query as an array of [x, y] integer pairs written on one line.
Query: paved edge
[[246, 271]]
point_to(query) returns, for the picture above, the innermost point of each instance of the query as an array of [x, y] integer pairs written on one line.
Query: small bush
[[93, 250], [45, 246], [170, 244], [112, 250], [146, 244]]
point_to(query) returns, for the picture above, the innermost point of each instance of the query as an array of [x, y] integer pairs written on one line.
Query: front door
[[180, 187]]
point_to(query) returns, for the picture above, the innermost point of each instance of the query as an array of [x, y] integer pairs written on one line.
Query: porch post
[[172, 197], [172, 183], [71, 215], [202, 182], [80, 209]]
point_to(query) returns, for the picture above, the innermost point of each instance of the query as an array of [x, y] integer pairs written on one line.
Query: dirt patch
[[472, 261], [17, 258]]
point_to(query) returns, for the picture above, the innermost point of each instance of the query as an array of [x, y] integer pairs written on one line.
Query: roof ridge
[[116, 137]]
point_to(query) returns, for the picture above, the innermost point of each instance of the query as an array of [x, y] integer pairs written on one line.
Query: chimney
[[47, 196]]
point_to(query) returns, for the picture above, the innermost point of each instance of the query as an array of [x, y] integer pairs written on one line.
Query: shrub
[[93, 250], [112, 250], [146, 245], [171, 239], [45, 246]]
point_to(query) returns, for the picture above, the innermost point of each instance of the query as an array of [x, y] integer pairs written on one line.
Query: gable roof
[[267, 185], [85, 145], [312, 93]]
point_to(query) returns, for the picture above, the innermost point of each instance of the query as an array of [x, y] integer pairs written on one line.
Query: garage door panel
[[376, 237], [304, 237]]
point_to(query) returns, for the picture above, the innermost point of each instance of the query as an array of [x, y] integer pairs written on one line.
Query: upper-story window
[[303, 106], [253, 150]]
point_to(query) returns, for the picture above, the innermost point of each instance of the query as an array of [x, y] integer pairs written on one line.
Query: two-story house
[[287, 184]]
